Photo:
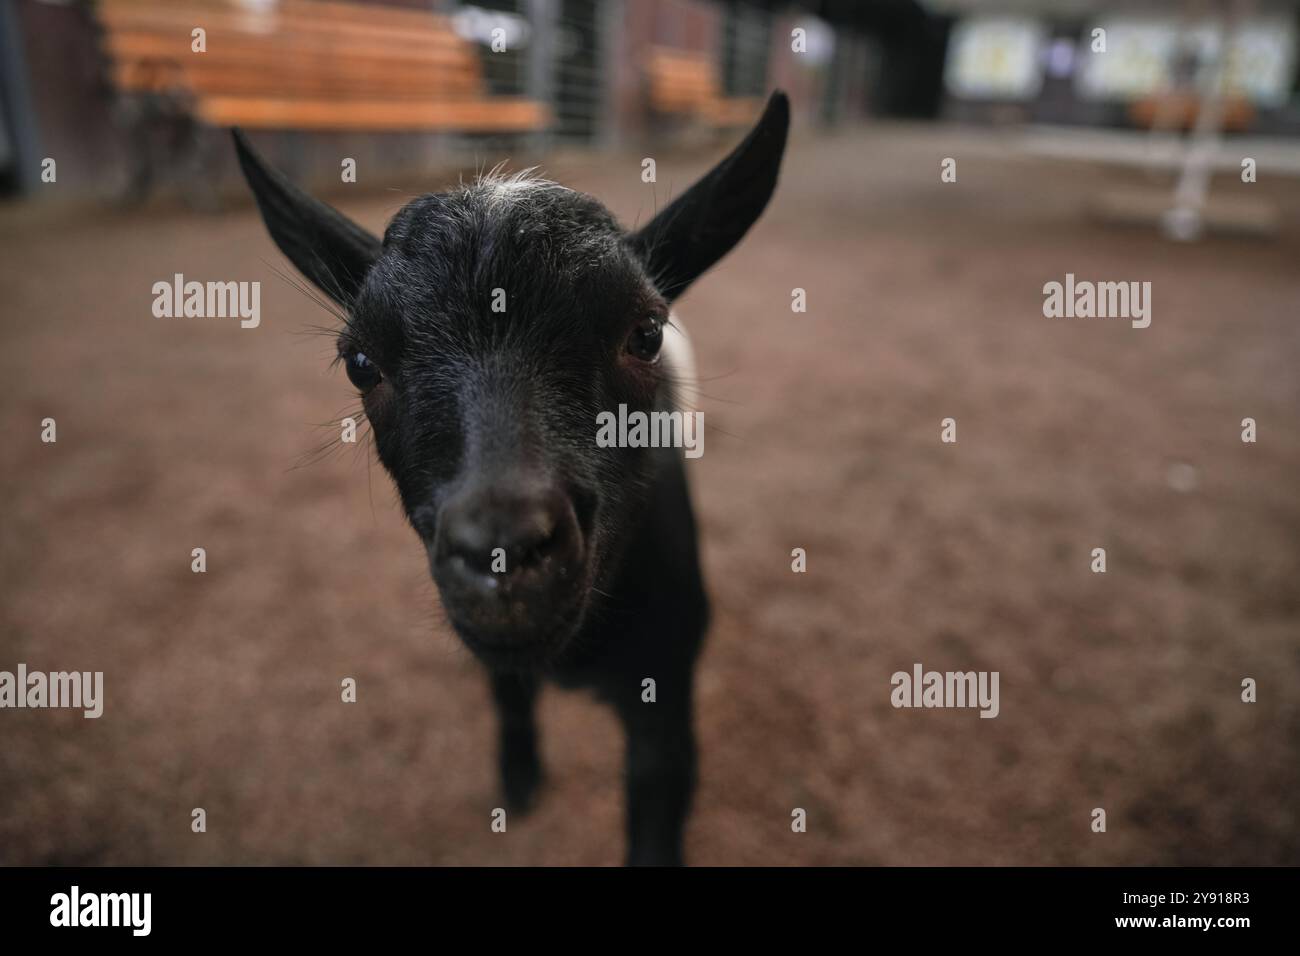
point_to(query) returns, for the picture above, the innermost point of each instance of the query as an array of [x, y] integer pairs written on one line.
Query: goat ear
[[327, 247], [705, 222]]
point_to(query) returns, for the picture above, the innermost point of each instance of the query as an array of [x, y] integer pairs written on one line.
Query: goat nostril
[[535, 538]]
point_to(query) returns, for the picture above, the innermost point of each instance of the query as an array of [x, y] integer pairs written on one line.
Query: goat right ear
[[705, 222], [327, 247]]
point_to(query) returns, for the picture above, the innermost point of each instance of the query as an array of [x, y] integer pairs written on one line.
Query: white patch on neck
[[679, 356]]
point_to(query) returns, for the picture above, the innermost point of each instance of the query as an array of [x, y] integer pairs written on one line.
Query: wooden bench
[[307, 65], [1179, 111], [682, 83]]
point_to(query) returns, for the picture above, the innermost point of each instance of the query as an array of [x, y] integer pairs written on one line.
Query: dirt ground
[[1118, 690]]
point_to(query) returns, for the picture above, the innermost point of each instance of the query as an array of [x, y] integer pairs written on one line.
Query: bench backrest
[[682, 81], [317, 50]]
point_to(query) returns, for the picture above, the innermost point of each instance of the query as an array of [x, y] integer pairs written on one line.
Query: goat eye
[[362, 372], [646, 340]]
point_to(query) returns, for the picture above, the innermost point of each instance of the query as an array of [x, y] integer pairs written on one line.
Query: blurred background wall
[[590, 64]]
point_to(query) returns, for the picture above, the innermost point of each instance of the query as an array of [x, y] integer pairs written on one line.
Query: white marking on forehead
[[504, 187]]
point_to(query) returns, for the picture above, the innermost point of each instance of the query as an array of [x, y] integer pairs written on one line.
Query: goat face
[[495, 325], [485, 333]]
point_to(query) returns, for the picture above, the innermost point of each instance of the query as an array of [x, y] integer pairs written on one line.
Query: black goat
[[486, 333]]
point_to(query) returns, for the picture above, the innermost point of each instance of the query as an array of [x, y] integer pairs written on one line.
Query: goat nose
[[507, 535], [493, 535]]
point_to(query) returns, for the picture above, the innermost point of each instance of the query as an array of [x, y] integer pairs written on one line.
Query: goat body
[[488, 333]]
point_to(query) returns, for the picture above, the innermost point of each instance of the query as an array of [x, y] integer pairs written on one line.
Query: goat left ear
[[327, 247], [705, 222]]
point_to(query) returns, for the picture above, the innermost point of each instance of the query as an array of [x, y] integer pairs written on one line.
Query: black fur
[[486, 421]]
